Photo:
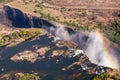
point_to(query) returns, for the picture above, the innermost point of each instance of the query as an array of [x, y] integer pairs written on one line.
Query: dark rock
[[15, 17]]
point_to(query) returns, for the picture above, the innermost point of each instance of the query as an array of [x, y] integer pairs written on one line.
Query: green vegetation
[[1, 43], [23, 34], [71, 24], [1, 0], [112, 31], [47, 16], [28, 76], [40, 5], [5, 0], [25, 2], [0, 35], [68, 23], [102, 77], [105, 76], [78, 27]]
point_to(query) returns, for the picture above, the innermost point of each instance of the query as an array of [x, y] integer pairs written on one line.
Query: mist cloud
[[91, 43]]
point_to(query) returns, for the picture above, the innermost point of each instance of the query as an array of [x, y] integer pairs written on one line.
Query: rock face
[[16, 18], [53, 59], [41, 54]]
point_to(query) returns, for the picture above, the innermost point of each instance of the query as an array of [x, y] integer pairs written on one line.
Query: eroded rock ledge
[[15, 17]]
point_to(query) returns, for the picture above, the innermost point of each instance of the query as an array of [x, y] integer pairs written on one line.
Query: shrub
[[28, 76], [102, 77]]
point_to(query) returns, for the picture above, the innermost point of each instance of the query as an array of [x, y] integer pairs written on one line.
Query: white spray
[[90, 43]]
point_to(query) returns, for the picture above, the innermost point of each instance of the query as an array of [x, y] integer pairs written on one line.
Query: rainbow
[[108, 53]]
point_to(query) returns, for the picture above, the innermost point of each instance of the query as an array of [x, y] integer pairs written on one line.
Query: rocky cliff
[[44, 56], [50, 57], [15, 17]]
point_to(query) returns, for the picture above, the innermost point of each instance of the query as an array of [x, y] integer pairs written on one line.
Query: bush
[[102, 77], [47, 16], [28, 76], [1, 43], [105, 76], [112, 31]]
